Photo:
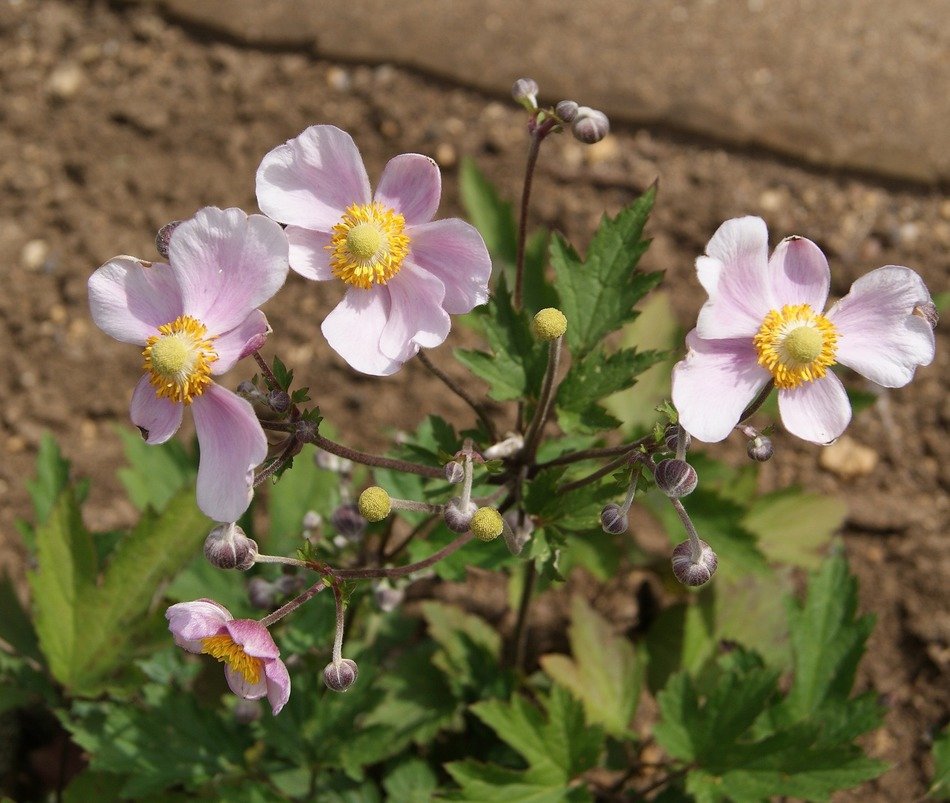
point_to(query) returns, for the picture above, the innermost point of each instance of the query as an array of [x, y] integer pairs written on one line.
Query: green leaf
[[15, 626], [284, 377], [412, 781], [603, 675], [493, 217], [940, 787], [577, 510], [598, 293], [155, 473]]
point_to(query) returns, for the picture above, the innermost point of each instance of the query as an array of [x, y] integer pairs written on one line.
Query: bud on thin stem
[[675, 477], [227, 547]]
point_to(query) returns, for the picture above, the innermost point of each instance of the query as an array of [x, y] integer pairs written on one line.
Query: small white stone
[[64, 81], [846, 458], [34, 254]]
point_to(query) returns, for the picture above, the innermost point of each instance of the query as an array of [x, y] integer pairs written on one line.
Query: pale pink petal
[[157, 418], [253, 638], [312, 179], [308, 253], [240, 342], [740, 294], [129, 301], [714, 384], [227, 264], [411, 184], [416, 318], [355, 326], [232, 444], [880, 337], [190, 622], [816, 411], [278, 685], [242, 688], [799, 273], [454, 251]]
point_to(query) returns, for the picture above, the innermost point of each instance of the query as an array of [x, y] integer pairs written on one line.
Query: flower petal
[[310, 180], [724, 371], [881, 338], [190, 622], [253, 638], [739, 290], [157, 418], [354, 328], [454, 251], [799, 273], [240, 341], [308, 253], [232, 443], [817, 411], [411, 184], [240, 686], [129, 301], [278, 685], [416, 318], [227, 264]]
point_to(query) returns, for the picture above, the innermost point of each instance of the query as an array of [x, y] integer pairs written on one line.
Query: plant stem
[[603, 471], [295, 603], [375, 460], [272, 382], [459, 391], [281, 559], [590, 454], [521, 624], [340, 625], [274, 466], [532, 161], [757, 402], [399, 571], [548, 391], [695, 547]]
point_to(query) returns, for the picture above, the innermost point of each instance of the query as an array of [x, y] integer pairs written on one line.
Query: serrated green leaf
[[578, 509], [940, 786], [155, 473], [681, 638], [603, 675], [597, 294], [411, 781], [284, 377]]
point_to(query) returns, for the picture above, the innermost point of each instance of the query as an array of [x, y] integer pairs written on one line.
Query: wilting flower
[[763, 322], [251, 659], [405, 273], [196, 317]]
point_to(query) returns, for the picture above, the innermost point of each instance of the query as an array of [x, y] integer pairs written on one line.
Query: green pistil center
[[803, 344], [364, 241]]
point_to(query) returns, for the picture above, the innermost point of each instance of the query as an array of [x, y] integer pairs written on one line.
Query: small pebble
[[848, 459]]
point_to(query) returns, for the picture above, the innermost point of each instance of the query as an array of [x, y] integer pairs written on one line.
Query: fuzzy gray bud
[[227, 547], [454, 471], [694, 572], [342, 675], [566, 110], [517, 534], [348, 522], [590, 125], [525, 91], [675, 478], [279, 401], [164, 237], [613, 519], [311, 520], [456, 518], [387, 597], [261, 593], [671, 437], [760, 449]]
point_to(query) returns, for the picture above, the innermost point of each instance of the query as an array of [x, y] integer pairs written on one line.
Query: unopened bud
[[341, 675], [261, 593], [566, 110], [487, 524], [246, 711], [672, 435], [675, 478], [227, 547], [928, 311], [549, 324], [454, 471], [348, 522], [692, 572], [525, 91], [279, 400], [517, 534], [510, 445], [164, 237], [457, 519], [613, 519], [760, 448], [590, 125], [311, 520], [387, 597], [375, 504], [247, 390]]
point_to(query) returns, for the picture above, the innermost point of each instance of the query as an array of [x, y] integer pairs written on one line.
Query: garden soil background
[[116, 118]]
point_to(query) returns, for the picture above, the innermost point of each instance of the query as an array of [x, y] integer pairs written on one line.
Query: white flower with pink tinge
[[251, 659], [763, 322], [196, 317], [405, 273]]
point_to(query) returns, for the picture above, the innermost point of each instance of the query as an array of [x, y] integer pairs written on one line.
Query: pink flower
[[196, 317], [251, 660], [763, 322], [404, 272]]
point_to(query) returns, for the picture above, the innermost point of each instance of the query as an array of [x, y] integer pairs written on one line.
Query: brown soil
[[116, 121]]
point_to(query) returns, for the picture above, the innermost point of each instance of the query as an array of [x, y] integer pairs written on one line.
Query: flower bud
[[671, 436], [690, 572], [549, 324], [525, 91], [487, 524], [510, 445], [590, 125], [457, 519], [311, 520], [261, 593], [164, 237], [454, 471], [517, 534], [566, 110], [340, 676], [348, 522], [613, 519], [279, 400], [227, 547], [760, 448], [387, 597], [375, 504], [675, 478]]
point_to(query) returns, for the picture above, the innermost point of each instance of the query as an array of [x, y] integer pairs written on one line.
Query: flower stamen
[[223, 648], [178, 359], [796, 345], [368, 245]]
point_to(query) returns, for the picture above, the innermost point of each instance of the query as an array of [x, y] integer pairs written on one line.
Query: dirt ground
[[115, 121]]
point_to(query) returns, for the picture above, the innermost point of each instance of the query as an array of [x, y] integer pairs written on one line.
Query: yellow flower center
[[178, 360], [225, 650], [796, 345], [368, 245]]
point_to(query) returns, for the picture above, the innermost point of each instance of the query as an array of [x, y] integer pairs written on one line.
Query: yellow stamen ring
[[227, 651], [178, 360], [796, 345], [368, 245]]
